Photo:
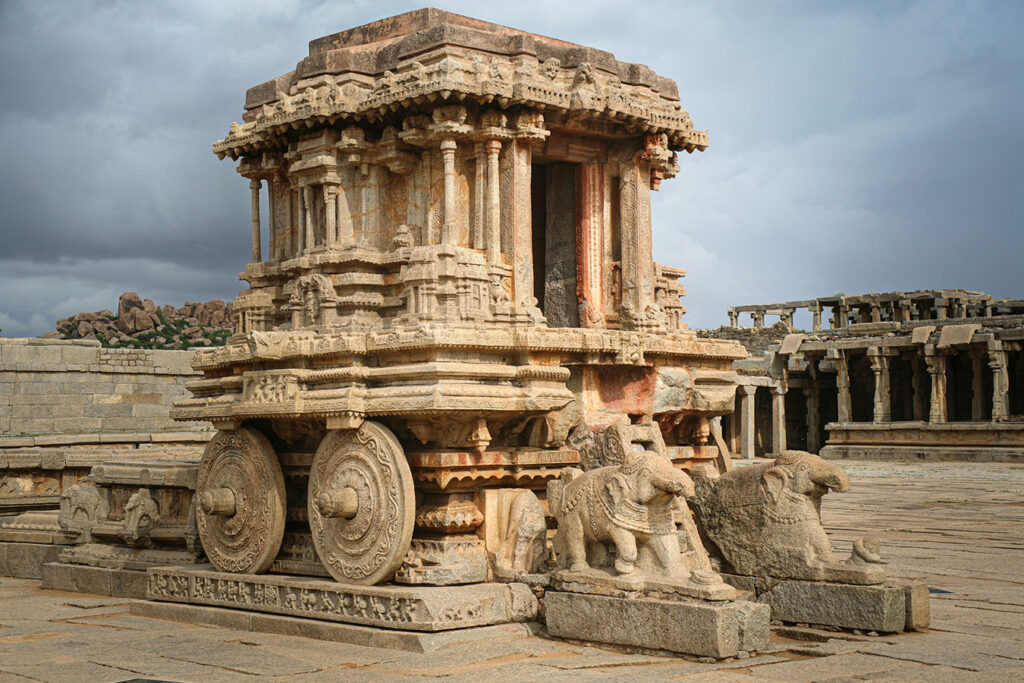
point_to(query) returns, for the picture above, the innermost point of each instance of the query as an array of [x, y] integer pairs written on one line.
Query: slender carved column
[[977, 399], [635, 233], [493, 149], [273, 229], [330, 211], [747, 425], [816, 317], [344, 230], [1000, 381], [590, 243], [813, 396], [517, 220], [937, 369], [842, 386], [478, 236], [917, 384], [733, 319], [370, 209], [779, 417], [447, 225], [254, 185], [307, 201], [425, 196], [880, 368]]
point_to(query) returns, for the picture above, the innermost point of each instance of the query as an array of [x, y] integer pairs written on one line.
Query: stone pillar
[[876, 313], [917, 384], [787, 318], [937, 369], [493, 149], [300, 197], [812, 395], [843, 316], [426, 196], [747, 424], [842, 386], [1000, 381], [779, 417], [481, 197], [307, 200], [758, 318], [977, 399], [369, 231], [517, 218], [816, 317], [590, 243], [448, 221], [635, 233], [883, 399], [940, 308], [343, 228], [330, 211], [254, 186], [733, 318]]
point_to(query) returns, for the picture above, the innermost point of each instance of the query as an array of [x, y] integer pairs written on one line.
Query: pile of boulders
[[142, 324]]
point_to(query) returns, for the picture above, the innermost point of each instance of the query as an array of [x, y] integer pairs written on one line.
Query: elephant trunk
[[835, 479]]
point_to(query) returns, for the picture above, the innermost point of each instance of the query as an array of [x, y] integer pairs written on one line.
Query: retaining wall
[[50, 386]]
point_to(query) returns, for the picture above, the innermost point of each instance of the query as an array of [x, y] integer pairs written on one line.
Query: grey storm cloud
[[855, 147]]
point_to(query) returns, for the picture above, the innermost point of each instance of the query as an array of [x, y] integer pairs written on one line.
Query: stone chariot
[[451, 298]]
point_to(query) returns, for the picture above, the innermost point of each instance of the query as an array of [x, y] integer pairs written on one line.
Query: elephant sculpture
[[764, 520], [628, 506]]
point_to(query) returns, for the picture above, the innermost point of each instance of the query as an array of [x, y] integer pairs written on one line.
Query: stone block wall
[[52, 386]]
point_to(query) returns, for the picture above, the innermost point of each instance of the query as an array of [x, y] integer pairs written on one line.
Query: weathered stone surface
[[870, 608], [695, 628], [421, 608], [445, 561], [126, 583], [763, 520], [26, 560]]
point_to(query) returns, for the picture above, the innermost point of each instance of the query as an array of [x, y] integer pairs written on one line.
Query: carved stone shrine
[[455, 339]]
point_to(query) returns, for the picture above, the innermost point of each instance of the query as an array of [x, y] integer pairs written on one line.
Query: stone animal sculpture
[[625, 505], [141, 514], [523, 550], [764, 520]]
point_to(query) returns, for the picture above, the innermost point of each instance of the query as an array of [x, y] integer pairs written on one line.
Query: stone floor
[[959, 527]]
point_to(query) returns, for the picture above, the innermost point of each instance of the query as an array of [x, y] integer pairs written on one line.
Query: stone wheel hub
[[241, 504], [361, 504]]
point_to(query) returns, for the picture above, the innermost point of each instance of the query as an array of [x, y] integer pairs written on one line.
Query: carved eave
[[426, 58]]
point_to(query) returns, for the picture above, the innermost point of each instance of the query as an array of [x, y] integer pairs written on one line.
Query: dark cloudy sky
[[855, 146]]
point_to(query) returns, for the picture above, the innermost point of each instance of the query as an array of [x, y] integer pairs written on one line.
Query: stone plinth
[[419, 608], [703, 629], [897, 605]]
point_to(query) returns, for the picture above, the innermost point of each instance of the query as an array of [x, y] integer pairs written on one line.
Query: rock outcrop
[[142, 324]]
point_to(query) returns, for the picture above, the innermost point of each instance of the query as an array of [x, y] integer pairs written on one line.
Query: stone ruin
[[936, 374], [460, 391]]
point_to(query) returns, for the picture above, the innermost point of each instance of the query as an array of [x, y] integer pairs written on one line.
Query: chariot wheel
[[240, 502], [361, 504]]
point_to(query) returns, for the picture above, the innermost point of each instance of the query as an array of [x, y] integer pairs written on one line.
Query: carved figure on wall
[[81, 507], [764, 520], [524, 548], [140, 516], [625, 506], [312, 301]]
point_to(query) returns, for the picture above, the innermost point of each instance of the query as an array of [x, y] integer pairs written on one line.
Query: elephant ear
[[773, 481], [617, 487]]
